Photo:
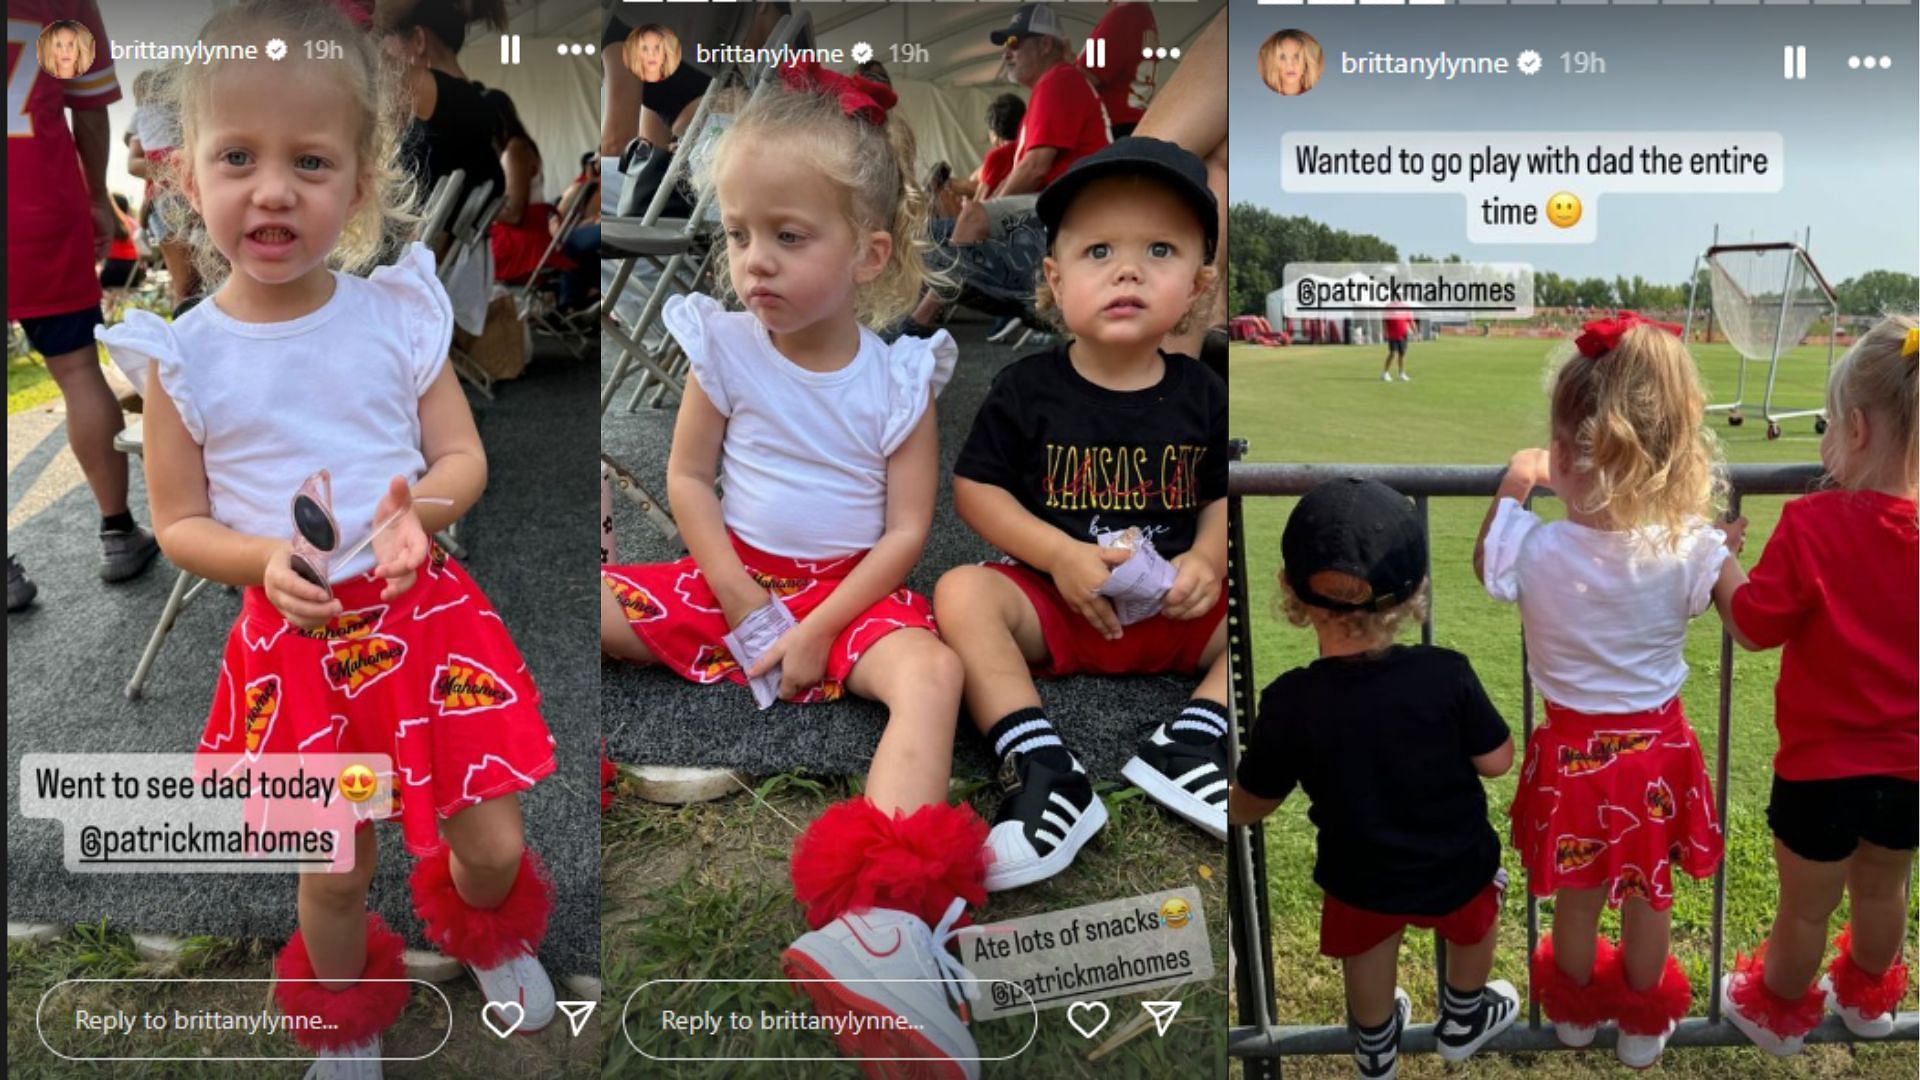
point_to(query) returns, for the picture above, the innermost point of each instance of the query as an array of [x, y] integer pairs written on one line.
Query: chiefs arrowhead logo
[[356, 663], [690, 585], [348, 624], [260, 702], [1577, 762], [828, 690], [636, 603], [711, 664], [1659, 800], [463, 685], [1622, 742], [1601, 749], [1572, 853]]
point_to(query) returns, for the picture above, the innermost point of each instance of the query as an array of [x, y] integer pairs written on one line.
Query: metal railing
[[1258, 1038]]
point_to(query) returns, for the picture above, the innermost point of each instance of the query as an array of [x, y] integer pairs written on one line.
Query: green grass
[[30, 384], [702, 892], [1474, 402]]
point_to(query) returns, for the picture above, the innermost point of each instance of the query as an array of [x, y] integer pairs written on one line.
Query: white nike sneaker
[[360, 1061], [1641, 1051], [1386, 376], [1404, 377], [888, 978], [520, 979], [1575, 1036], [1867, 1027], [1756, 1033]]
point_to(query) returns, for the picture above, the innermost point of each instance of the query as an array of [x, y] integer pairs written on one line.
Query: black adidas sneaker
[[1376, 1054], [1187, 778], [1460, 1033], [1046, 816]]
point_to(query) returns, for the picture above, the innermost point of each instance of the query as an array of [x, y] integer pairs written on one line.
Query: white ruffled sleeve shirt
[[1604, 613], [271, 403], [804, 463]]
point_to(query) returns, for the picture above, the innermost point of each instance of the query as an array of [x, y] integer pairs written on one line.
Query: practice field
[[1474, 401]]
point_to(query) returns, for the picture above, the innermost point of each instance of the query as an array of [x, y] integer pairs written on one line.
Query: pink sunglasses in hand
[[316, 533]]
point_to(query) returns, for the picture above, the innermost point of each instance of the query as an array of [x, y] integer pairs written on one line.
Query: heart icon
[[511, 1015], [1088, 1026]]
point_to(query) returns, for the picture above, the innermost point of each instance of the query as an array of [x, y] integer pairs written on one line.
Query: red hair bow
[[1602, 336], [862, 99]]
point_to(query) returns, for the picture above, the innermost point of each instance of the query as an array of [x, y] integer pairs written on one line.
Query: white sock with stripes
[[1202, 721]]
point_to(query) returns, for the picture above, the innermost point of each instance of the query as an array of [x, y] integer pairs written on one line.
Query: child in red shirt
[[1839, 587]]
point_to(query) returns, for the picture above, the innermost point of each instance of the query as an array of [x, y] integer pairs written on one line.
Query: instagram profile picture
[[65, 49], [652, 52], [1290, 62]]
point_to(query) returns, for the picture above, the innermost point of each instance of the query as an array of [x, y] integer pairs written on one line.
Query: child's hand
[[1535, 465], [1078, 573], [802, 655], [304, 604], [741, 598], [1195, 589], [1736, 531], [402, 546]]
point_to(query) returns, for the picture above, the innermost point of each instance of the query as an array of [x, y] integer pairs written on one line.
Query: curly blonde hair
[[1379, 627], [373, 90], [1634, 420], [1877, 376], [870, 164]]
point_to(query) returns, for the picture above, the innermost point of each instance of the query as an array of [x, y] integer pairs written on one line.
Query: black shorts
[[57, 335], [1824, 820], [1397, 347]]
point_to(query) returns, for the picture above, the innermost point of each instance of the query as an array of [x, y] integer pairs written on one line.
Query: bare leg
[[992, 625], [1469, 965], [1877, 885], [918, 678], [1371, 978], [487, 842], [1576, 919], [1809, 893], [333, 916], [617, 638], [1213, 685], [1646, 936], [93, 419]]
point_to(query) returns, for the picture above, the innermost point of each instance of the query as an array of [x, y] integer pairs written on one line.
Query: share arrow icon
[[578, 1011], [1162, 1012]]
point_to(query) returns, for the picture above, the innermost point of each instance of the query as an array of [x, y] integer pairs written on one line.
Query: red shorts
[[1347, 931], [1615, 800], [430, 679], [1154, 646], [675, 615]]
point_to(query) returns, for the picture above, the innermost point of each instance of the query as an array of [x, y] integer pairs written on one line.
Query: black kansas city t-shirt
[[1383, 746], [1089, 460]]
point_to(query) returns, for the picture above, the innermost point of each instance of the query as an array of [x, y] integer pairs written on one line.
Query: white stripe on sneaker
[[1055, 820]]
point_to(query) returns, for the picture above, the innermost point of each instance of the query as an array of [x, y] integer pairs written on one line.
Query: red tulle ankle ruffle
[[1785, 1017], [1868, 995], [357, 1013], [856, 858], [1649, 1011], [482, 937], [1566, 1001]]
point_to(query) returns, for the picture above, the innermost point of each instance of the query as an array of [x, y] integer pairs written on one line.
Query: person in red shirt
[[1397, 327], [1125, 78], [1839, 587], [1065, 121], [59, 221]]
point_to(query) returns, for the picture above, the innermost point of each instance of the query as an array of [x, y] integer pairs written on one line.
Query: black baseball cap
[[1358, 527], [1135, 155], [1032, 20]]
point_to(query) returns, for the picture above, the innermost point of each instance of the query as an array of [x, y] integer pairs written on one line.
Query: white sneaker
[[1046, 816], [1382, 1061], [1456, 1040], [360, 1061], [1386, 376], [1776, 1045], [1642, 1051], [1189, 779], [1404, 377], [1867, 1027], [1575, 1036], [520, 979], [887, 969]]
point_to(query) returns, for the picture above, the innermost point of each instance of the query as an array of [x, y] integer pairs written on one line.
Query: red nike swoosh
[[857, 925]]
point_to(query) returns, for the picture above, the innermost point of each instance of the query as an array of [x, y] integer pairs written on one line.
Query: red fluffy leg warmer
[[355, 1014], [482, 937], [1566, 1001], [1868, 995], [608, 774], [1649, 1011], [855, 858], [1785, 1017]]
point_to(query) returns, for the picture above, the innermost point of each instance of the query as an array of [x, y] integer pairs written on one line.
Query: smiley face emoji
[[1563, 209], [357, 783], [1175, 913]]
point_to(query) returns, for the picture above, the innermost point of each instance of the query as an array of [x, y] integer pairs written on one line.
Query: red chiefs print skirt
[[431, 679], [1615, 800], [680, 622]]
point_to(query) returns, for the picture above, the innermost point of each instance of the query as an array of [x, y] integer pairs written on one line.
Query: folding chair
[[438, 209], [572, 329], [186, 585], [469, 230]]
